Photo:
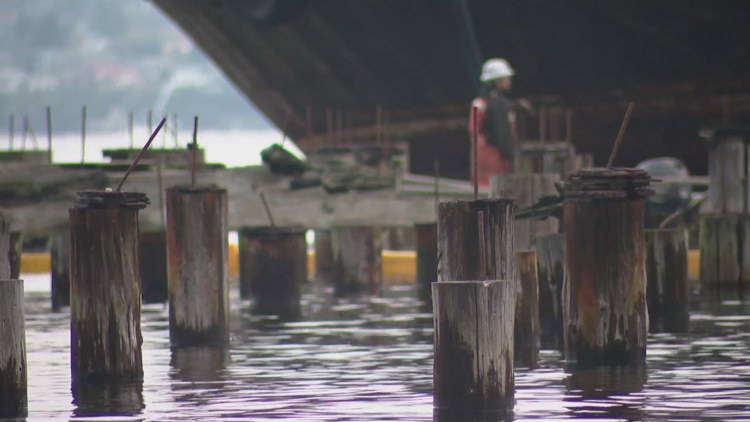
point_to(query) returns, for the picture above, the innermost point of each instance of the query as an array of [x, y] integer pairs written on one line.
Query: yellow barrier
[[398, 266]]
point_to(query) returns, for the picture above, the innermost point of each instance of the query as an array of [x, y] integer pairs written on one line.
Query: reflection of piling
[[273, 268], [426, 234], [527, 309], [60, 270], [473, 367], [604, 293], [13, 395], [550, 253], [667, 280], [110, 398], [323, 253], [153, 249], [357, 262], [197, 254], [14, 254], [105, 302]]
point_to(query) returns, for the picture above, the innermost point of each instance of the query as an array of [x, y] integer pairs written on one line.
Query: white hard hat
[[495, 68]]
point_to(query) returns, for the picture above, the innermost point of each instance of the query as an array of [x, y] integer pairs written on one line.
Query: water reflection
[[108, 398], [606, 391]]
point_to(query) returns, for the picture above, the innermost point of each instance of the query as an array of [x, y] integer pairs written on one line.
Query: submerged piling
[[667, 290], [60, 270], [198, 266], [153, 259], [604, 293], [105, 302], [357, 260], [13, 392], [273, 268]]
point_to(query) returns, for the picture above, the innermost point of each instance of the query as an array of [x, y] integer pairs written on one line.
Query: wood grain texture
[[550, 252], [426, 234], [60, 270], [357, 261], [667, 290], [13, 392], [724, 246], [527, 309], [4, 247]]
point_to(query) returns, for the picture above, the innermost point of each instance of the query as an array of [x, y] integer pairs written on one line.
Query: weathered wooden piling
[[198, 266], [153, 259], [60, 270], [527, 309], [728, 185], [14, 253], [105, 300], [459, 245], [473, 341], [4, 247], [426, 234], [667, 291], [604, 293], [725, 250], [273, 268], [357, 259], [13, 394], [323, 254], [550, 258]]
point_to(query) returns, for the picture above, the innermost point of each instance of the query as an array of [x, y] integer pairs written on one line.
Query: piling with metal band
[[4, 247], [473, 341], [13, 394], [667, 280], [357, 259], [426, 234], [14, 254], [323, 253], [725, 250], [527, 309], [550, 258], [273, 268], [105, 299], [60, 270], [525, 190], [153, 249], [459, 245], [198, 266], [604, 293]]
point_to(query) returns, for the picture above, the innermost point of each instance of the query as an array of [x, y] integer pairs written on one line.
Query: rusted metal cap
[[271, 231], [110, 199], [608, 183]]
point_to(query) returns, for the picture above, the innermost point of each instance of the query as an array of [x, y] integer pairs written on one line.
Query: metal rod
[[268, 210], [140, 154], [474, 144], [620, 134], [194, 151], [49, 133], [130, 128], [482, 247], [83, 135], [174, 130]]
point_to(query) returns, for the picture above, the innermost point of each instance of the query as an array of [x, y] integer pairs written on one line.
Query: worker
[[495, 121]]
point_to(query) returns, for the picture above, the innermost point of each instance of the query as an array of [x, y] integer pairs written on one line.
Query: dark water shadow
[[606, 391], [107, 398], [464, 415], [196, 364]]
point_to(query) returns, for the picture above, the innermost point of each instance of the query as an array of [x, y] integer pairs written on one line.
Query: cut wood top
[[608, 183]]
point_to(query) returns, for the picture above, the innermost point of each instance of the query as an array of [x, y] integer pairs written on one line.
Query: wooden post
[[4, 247], [153, 250], [604, 293], [323, 254], [13, 394], [724, 246], [550, 253], [667, 280], [198, 266], [426, 234], [273, 268], [527, 309], [526, 190], [357, 261], [458, 240], [105, 300], [727, 173], [60, 270], [473, 366], [15, 251]]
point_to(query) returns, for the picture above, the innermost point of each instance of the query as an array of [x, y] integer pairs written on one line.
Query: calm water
[[370, 359]]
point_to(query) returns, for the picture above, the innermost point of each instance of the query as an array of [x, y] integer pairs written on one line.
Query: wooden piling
[[15, 251], [273, 268], [197, 255], [458, 240], [526, 190], [527, 309], [153, 259], [357, 260], [323, 254], [426, 234], [473, 343], [728, 188], [667, 280], [4, 247], [105, 299], [60, 270], [550, 253], [604, 293], [13, 393], [725, 248]]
